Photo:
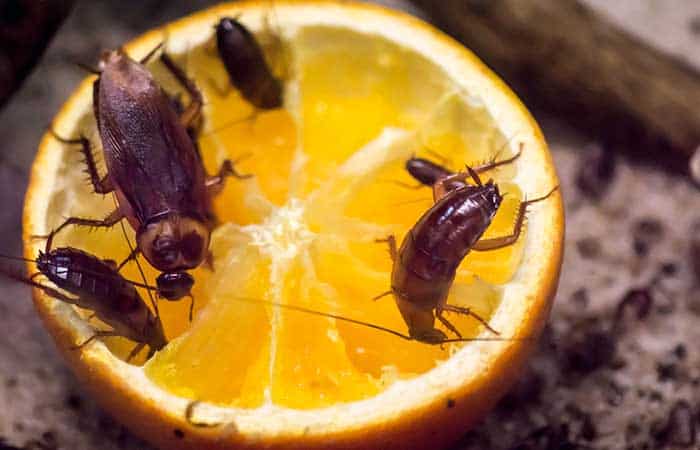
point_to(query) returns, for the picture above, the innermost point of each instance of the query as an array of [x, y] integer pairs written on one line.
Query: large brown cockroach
[[96, 285], [425, 266], [153, 168], [246, 66]]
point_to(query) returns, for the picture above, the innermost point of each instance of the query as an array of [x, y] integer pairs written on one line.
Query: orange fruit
[[365, 88]]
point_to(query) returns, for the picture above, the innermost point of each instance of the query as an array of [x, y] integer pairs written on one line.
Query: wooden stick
[[564, 57]]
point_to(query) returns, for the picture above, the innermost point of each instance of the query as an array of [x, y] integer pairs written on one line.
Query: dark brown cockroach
[[153, 168], [96, 285], [246, 66], [425, 266], [427, 172]]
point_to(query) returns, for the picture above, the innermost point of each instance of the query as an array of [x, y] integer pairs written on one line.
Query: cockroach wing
[[151, 160]]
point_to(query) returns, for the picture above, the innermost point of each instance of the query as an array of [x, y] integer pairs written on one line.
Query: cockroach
[[153, 168], [246, 66], [425, 266], [427, 172], [96, 285]]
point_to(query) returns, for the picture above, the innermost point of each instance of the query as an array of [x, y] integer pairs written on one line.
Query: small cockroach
[[425, 266], [153, 168], [246, 66], [96, 285]]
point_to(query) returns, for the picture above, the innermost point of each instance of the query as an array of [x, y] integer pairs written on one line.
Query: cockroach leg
[[493, 163], [393, 252], [135, 351], [189, 413], [448, 324], [469, 312], [504, 241], [100, 185], [194, 109], [152, 53], [97, 334], [35, 275], [383, 294], [391, 241], [191, 306], [132, 256], [428, 173], [442, 186], [112, 219], [51, 292], [216, 183]]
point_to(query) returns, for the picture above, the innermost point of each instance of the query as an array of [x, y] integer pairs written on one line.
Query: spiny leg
[[442, 186], [194, 109], [216, 183], [51, 292], [493, 163], [100, 185], [97, 334], [135, 351], [112, 219], [504, 241], [393, 252], [469, 312], [448, 325], [391, 241]]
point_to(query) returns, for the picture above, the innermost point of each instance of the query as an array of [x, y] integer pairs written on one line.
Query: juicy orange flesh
[[303, 230]]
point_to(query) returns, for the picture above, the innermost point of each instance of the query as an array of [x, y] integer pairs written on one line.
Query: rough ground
[[597, 381]]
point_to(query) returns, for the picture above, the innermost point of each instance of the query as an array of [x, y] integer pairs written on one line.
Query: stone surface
[[572, 393]]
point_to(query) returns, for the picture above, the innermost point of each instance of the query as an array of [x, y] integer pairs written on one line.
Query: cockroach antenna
[[138, 265]]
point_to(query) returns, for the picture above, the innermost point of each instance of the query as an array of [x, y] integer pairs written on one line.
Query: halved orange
[[365, 88]]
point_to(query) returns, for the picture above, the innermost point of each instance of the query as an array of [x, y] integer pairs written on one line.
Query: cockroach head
[[174, 285], [109, 57], [174, 242], [230, 25], [492, 194]]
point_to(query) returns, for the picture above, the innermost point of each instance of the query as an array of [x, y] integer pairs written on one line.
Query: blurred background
[[614, 85]]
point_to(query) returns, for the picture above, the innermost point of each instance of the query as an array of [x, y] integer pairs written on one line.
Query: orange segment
[[311, 365], [229, 341]]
